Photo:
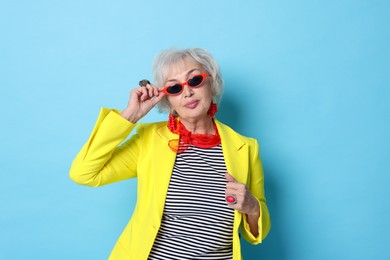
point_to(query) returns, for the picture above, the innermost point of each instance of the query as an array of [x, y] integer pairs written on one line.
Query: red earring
[[172, 125], [212, 110]]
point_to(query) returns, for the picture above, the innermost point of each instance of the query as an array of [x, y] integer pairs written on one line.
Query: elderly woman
[[199, 182]]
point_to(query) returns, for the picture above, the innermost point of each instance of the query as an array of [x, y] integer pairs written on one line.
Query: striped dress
[[196, 222]]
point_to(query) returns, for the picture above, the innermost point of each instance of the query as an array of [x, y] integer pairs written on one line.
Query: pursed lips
[[192, 104]]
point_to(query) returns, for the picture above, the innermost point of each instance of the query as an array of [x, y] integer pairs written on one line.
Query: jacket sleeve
[[102, 160], [256, 186]]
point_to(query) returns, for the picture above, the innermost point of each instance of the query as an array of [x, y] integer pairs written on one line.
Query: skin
[[192, 106], [246, 202], [193, 103]]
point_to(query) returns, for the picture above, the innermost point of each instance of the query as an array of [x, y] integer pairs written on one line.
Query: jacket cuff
[[246, 228], [113, 115]]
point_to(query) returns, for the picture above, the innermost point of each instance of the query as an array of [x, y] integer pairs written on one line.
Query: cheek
[[208, 91], [209, 96], [173, 101]]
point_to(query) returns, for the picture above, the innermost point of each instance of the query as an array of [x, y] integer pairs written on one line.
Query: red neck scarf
[[187, 138]]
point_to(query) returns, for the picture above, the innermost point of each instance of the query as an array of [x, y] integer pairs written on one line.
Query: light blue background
[[308, 79]]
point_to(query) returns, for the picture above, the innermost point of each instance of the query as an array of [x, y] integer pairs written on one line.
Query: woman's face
[[193, 103]]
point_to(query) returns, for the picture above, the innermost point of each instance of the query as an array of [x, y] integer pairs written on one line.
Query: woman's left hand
[[245, 202]]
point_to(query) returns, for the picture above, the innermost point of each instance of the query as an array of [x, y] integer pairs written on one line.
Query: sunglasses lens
[[195, 81], [175, 89], [178, 87]]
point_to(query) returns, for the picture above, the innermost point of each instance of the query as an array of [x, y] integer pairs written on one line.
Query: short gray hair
[[167, 58]]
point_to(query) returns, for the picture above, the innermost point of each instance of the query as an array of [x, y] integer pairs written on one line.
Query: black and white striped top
[[196, 222]]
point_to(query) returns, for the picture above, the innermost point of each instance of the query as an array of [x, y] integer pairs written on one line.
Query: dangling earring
[[212, 110], [172, 125]]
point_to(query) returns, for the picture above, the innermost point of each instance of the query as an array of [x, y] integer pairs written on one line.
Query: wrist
[[255, 210], [129, 116]]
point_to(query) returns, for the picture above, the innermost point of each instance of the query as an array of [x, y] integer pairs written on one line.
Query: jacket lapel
[[164, 158], [235, 152]]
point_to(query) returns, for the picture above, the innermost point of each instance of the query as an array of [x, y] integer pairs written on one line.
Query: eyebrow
[[188, 73]]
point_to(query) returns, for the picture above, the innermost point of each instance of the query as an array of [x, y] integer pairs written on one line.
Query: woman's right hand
[[141, 101]]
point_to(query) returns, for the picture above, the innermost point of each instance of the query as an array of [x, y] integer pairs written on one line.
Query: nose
[[187, 91]]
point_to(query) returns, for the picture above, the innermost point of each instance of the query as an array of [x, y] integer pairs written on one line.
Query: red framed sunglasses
[[194, 82]]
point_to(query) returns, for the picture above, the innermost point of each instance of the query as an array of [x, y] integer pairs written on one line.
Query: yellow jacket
[[147, 156]]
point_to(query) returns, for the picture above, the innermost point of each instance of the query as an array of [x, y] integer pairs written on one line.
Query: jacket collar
[[235, 152]]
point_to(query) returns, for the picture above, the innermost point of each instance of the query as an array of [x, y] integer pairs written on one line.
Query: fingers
[[234, 189], [229, 178], [141, 101], [149, 92], [240, 195], [158, 97], [237, 195]]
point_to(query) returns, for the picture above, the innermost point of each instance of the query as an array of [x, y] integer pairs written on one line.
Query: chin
[[197, 116]]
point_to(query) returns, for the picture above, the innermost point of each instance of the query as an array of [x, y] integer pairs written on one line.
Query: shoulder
[[228, 132]]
